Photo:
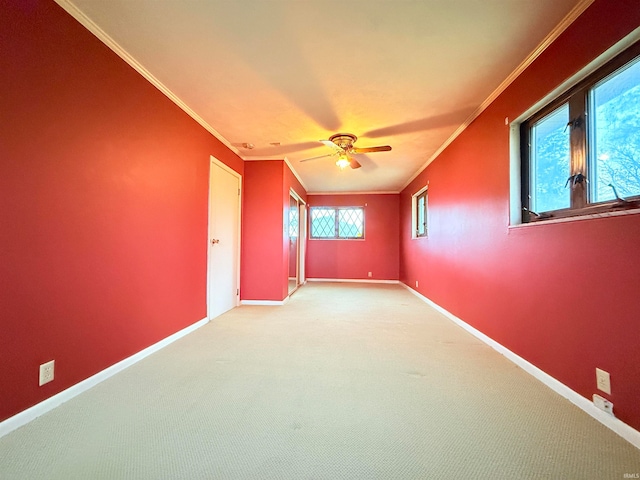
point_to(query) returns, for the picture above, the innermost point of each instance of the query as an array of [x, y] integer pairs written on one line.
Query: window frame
[[581, 161], [337, 222], [415, 199]]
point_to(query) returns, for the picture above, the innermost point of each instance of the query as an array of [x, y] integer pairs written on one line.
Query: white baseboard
[[352, 280], [24, 417], [627, 432], [268, 303]]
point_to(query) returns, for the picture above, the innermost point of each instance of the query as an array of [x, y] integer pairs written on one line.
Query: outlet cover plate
[[603, 381], [603, 404], [46, 372]]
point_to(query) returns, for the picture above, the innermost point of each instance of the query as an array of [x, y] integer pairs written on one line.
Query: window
[[419, 213], [581, 153], [337, 222], [294, 218]]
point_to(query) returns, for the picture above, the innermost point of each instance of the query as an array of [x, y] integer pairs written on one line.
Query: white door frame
[[228, 169], [302, 236], [303, 245]]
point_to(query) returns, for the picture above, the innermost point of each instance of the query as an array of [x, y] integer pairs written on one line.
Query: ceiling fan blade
[[315, 158], [353, 163], [274, 149], [329, 143], [382, 148]]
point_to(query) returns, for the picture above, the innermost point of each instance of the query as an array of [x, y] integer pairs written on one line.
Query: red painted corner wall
[[262, 231], [265, 240], [104, 185], [378, 253], [563, 296]]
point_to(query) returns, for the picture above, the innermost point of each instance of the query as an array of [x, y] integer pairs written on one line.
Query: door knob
[[214, 241]]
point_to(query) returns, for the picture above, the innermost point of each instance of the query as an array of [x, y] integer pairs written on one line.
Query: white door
[[224, 239]]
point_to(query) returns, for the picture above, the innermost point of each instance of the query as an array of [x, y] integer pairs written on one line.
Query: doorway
[[297, 235], [223, 259]]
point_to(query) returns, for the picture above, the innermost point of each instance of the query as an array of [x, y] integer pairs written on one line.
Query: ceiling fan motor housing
[[343, 140]]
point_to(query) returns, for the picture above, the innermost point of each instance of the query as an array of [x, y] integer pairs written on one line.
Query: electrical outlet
[[369, 274], [416, 283], [603, 404], [46, 372], [603, 381]]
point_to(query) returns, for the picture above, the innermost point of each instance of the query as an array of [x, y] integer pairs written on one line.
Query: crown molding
[[529, 59], [85, 21], [309, 194], [295, 174], [76, 13], [262, 158]]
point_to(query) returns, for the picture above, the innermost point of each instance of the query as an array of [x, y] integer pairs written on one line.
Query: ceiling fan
[[342, 145]]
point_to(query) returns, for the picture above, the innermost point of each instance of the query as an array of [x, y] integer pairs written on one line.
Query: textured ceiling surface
[[283, 74]]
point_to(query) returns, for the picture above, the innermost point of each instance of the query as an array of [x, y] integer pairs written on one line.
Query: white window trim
[[414, 213], [515, 202], [336, 208]]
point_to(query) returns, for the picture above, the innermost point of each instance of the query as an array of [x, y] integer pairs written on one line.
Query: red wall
[[265, 241], [104, 187], [353, 259], [518, 285], [262, 231]]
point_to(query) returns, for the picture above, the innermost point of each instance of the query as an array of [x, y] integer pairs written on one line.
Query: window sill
[[342, 239], [617, 213]]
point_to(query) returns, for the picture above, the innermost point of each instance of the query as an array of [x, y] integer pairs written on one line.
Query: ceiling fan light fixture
[[342, 146], [342, 162]]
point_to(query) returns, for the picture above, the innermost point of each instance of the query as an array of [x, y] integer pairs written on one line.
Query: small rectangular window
[[419, 213], [550, 161], [581, 153], [615, 124], [337, 222], [323, 221]]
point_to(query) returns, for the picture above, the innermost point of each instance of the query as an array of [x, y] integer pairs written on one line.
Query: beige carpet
[[346, 381]]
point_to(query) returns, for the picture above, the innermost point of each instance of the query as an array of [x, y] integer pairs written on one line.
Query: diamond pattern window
[[337, 222], [293, 222]]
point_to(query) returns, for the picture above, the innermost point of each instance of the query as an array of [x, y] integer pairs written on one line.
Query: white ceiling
[[405, 73]]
